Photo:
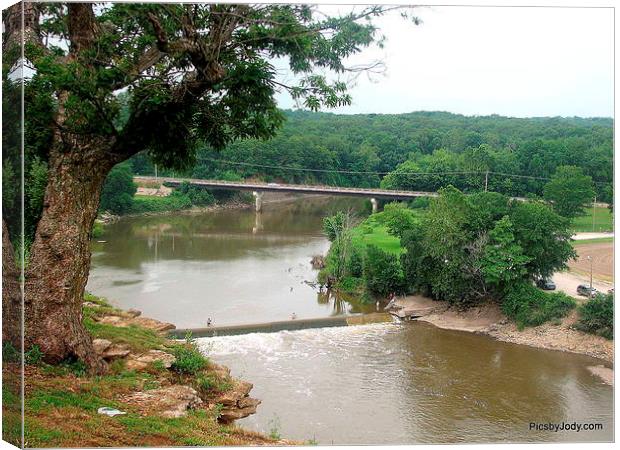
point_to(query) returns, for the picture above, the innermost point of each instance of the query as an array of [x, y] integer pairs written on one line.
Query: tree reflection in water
[[343, 303]]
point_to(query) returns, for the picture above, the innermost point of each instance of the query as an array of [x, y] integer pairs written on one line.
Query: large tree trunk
[[11, 293], [60, 255]]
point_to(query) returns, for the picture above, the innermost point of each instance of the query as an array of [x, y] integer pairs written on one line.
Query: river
[[233, 266], [369, 384]]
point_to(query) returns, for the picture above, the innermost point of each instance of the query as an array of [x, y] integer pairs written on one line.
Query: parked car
[[273, 184], [611, 291], [546, 284], [586, 291]]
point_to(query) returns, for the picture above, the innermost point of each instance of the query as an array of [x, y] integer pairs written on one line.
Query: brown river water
[[370, 384]]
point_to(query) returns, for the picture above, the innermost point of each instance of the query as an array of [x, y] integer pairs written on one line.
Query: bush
[[351, 285], [197, 196], [97, 230], [398, 218], [174, 202], [596, 316], [189, 360], [382, 272], [419, 203], [528, 306], [334, 226], [355, 263], [118, 190]]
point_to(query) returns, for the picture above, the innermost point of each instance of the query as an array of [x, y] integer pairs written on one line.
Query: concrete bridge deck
[[273, 327], [279, 187]]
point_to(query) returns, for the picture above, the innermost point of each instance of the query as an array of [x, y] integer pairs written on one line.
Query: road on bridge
[[279, 187]]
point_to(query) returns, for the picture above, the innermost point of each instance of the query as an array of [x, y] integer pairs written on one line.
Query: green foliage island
[[465, 249]]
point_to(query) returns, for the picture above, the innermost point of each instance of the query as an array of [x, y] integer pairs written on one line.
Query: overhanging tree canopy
[[194, 72]]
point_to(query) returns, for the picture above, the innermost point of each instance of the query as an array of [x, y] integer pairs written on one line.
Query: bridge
[[257, 188]]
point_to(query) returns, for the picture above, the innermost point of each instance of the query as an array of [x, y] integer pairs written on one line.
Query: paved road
[[589, 235], [567, 282]]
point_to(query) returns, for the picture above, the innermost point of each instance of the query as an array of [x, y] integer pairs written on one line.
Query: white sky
[[483, 60]]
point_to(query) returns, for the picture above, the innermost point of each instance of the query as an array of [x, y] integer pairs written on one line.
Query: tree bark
[[11, 293], [60, 255]]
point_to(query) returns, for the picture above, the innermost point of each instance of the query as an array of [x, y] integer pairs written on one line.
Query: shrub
[[97, 230], [596, 316], [205, 383], [382, 272], [419, 203], [351, 285], [118, 190], [398, 218], [189, 360], [174, 202], [355, 263], [528, 306], [197, 196], [334, 226]]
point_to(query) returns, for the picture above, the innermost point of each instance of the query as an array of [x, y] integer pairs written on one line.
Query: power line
[[364, 172], [354, 172]]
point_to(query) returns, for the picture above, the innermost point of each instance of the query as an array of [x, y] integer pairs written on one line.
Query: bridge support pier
[[258, 198], [375, 205], [258, 222]]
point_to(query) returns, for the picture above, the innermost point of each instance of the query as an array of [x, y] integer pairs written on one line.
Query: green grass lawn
[[603, 221], [372, 232]]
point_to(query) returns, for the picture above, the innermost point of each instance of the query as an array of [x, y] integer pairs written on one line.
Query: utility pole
[[593, 213], [590, 259], [486, 181]]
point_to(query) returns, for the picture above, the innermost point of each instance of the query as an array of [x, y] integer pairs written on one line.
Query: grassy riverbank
[[149, 377]]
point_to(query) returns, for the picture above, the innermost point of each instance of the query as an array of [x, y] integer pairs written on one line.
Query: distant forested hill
[[427, 142]]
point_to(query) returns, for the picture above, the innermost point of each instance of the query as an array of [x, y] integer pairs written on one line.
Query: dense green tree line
[[419, 142], [468, 248]]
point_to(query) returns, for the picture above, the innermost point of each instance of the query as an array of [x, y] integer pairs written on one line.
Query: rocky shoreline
[[171, 399], [488, 320]]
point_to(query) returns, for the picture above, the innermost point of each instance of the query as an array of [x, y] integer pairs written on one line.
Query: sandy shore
[[489, 320]]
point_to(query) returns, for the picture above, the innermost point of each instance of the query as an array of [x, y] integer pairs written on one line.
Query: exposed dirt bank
[[604, 373], [489, 320]]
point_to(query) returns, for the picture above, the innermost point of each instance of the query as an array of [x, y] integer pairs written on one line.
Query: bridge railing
[[285, 186]]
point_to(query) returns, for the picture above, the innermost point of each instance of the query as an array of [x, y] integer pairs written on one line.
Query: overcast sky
[[519, 62]]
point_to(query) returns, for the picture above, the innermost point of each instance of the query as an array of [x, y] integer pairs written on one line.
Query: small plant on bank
[[189, 360], [528, 306], [33, 356], [596, 316], [274, 430], [205, 383], [158, 366], [9, 353]]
